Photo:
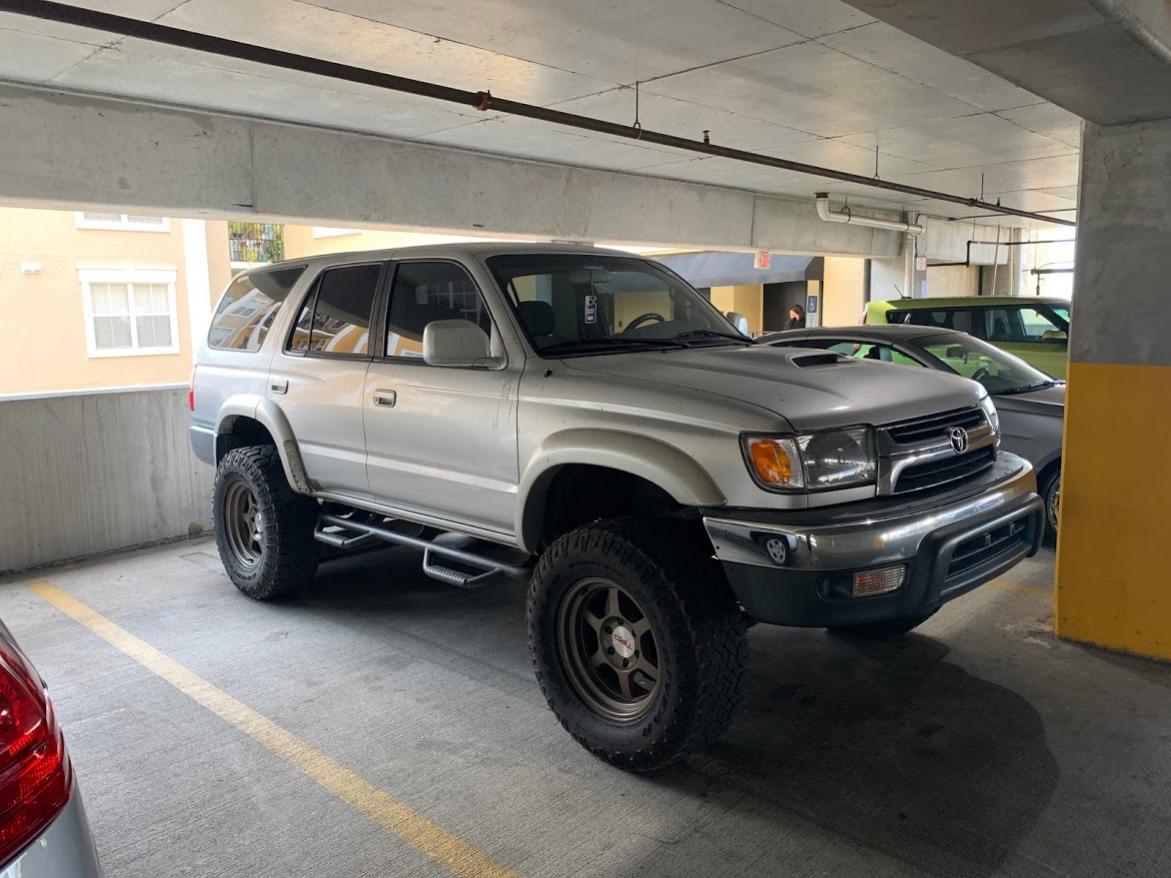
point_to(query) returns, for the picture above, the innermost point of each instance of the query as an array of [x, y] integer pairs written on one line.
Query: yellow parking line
[[457, 856]]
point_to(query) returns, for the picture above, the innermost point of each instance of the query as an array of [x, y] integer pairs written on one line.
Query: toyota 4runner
[[588, 419]]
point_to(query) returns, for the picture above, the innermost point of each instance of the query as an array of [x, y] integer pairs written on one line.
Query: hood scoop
[[806, 361]]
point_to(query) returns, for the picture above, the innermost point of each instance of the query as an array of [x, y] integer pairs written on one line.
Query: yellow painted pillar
[[1113, 573]]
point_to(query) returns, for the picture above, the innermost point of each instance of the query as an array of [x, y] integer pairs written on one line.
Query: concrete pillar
[[1113, 580]]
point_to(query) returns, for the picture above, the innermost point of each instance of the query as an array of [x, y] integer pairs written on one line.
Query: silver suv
[[587, 418]]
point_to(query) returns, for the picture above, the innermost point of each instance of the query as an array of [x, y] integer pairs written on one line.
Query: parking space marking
[[457, 856], [1035, 590]]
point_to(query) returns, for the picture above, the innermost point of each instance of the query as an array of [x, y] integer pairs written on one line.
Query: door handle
[[279, 385], [385, 398]]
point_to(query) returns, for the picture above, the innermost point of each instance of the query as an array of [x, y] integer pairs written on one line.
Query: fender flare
[[268, 415], [678, 474]]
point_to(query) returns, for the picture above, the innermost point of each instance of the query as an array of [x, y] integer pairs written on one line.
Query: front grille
[[934, 473], [934, 426], [987, 549]]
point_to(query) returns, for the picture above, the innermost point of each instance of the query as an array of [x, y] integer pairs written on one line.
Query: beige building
[[97, 300]]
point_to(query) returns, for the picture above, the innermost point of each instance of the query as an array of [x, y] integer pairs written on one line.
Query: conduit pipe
[[870, 222], [480, 100]]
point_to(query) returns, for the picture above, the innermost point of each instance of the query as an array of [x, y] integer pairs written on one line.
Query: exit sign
[[762, 259]]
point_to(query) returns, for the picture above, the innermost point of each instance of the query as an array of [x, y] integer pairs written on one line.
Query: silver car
[[1030, 403], [44, 832]]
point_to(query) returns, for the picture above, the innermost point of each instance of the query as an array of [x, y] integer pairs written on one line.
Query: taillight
[[191, 393], [35, 775]]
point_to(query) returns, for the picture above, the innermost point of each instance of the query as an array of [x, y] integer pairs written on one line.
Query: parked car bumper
[[64, 850], [798, 568], [203, 443]]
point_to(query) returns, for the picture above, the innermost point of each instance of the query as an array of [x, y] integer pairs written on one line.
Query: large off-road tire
[[264, 529], [886, 629], [637, 641], [1051, 495]]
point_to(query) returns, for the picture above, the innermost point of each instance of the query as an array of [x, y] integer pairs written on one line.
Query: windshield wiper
[[582, 344], [712, 333], [1039, 386]]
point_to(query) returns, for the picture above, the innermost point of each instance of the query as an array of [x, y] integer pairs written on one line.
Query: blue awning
[[712, 268]]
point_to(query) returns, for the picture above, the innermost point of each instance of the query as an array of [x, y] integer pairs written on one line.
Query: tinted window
[[249, 307], [426, 291], [335, 318], [943, 318]]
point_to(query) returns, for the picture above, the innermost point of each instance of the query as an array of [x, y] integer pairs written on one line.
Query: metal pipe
[[480, 100], [846, 216]]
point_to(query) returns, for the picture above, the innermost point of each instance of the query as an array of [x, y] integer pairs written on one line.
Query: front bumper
[[797, 568]]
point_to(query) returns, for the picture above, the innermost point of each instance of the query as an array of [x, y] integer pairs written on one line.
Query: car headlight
[[812, 461], [991, 414]]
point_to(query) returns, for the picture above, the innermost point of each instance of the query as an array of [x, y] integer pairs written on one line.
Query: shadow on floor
[[888, 745]]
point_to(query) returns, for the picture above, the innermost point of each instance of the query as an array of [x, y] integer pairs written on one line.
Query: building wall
[[43, 341], [747, 299], [843, 291], [954, 280]]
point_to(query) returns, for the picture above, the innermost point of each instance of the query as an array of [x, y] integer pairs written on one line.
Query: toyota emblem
[[958, 437]]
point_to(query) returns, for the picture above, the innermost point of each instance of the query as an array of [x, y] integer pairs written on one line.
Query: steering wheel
[[644, 318], [980, 374]]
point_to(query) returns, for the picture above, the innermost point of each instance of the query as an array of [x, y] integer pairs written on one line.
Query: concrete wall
[[953, 280], [90, 473], [77, 149]]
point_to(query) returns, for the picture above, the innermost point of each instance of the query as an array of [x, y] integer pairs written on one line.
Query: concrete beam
[[1108, 61], [64, 149]]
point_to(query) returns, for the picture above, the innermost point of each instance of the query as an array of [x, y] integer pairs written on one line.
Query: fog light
[[879, 581]]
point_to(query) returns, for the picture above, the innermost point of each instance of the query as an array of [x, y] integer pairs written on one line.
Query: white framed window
[[88, 219], [129, 311]]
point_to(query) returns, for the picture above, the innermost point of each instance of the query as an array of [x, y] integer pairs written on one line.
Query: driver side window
[[427, 291]]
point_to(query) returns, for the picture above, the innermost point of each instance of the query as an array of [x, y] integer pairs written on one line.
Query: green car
[[1035, 329]]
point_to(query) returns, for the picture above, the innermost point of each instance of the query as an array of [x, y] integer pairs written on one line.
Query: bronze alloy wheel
[[608, 650], [243, 524]]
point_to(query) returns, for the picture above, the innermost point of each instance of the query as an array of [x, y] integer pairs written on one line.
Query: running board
[[357, 533]]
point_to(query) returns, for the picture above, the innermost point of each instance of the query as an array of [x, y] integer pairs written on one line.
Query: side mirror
[[1056, 336], [738, 320], [456, 343]]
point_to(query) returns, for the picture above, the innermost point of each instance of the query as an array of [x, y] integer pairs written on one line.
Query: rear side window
[[335, 318], [249, 307]]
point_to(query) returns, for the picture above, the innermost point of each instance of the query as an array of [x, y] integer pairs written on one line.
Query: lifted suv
[[589, 417]]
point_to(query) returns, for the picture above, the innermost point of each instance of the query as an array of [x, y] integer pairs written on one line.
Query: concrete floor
[[982, 746]]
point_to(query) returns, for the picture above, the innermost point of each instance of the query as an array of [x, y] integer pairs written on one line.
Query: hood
[[1045, 401], [811, 389]]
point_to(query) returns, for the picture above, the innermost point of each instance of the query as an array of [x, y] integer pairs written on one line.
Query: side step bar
[[357, 533]]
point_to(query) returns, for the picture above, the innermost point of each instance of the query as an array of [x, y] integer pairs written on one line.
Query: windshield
[[580, 304], [999, 371]]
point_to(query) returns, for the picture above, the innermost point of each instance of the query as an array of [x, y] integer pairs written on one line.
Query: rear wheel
[[637, 641], [264, 529], [884, 629]]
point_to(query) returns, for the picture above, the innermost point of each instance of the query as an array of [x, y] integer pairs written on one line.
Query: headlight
[[990, 413], [815, 461]]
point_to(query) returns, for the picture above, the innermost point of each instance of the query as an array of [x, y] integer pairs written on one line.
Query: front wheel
[[637, 641], [1051, 495]]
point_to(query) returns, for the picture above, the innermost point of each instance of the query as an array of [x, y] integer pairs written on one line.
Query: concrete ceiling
[[817, 81]]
